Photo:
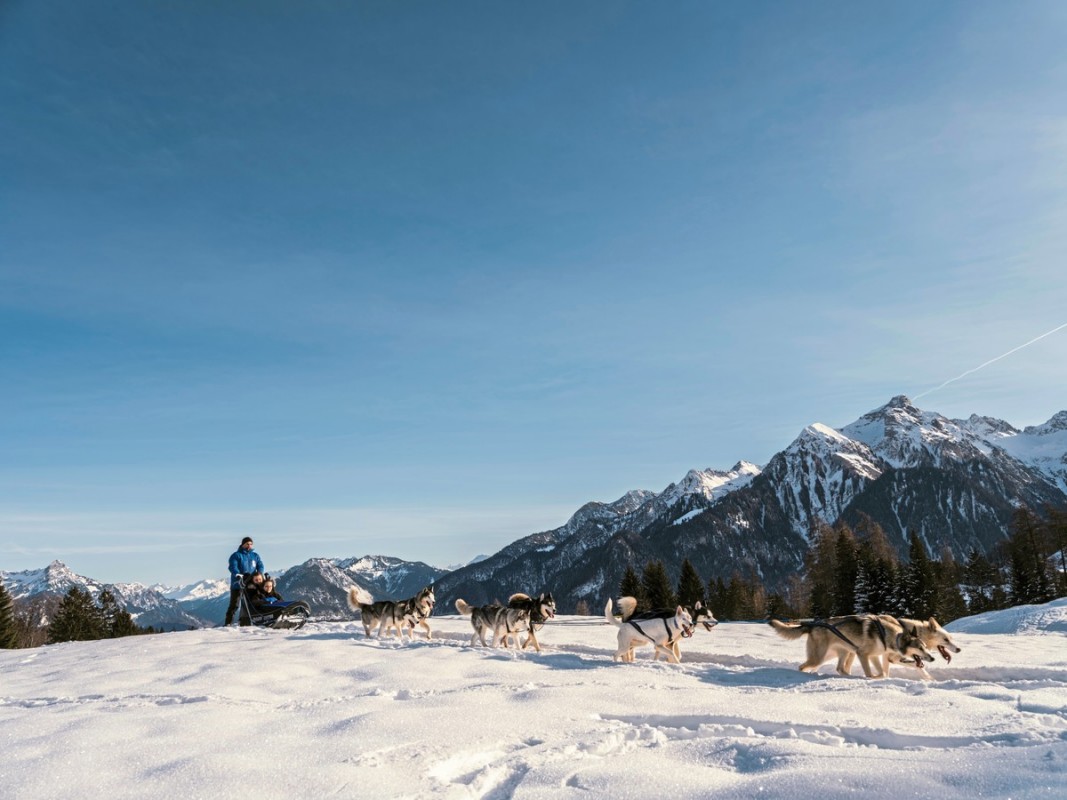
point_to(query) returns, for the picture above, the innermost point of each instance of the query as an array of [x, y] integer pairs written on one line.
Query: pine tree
[[8, 629], [630, 586], [117, 620], [846, 563], [718, 600], [1028, 561], [919, 581], [1056, 527], [657, 586], [690, 585], [733, 598], [77, 619], [876, 570], [861, 597], [755, 598], [820, 570], [950, 604], [978, 582]]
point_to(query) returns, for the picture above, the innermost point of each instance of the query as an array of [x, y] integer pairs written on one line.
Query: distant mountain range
[[954, 482], [322, 582], [146, 605]]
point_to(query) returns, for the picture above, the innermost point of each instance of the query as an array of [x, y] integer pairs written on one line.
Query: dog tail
[[520, 598], [789, 630], [358, 596], [463, 608], [627, 607], [609, 616]]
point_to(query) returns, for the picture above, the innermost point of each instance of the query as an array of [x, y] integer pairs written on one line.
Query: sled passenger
[[262, 594]]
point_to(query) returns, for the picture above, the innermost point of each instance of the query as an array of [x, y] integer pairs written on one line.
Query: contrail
[[990, 361]]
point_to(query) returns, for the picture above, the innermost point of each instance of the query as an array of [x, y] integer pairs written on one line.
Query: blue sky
[[420, 279]]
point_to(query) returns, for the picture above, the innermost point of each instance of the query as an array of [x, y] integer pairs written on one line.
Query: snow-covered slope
[[1034, 619], [1042, 446], [325, 712]]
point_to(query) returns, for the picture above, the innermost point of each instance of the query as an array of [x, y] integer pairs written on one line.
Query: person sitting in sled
[[262, 595], [266, 596]]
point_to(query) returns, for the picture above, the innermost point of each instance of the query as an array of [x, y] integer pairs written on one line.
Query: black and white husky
[[540, 610], [387, 615], [662, 630], [503, 621]]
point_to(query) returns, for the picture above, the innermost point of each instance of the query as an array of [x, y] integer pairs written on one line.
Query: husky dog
[[539, 611], [930, 632], [387, 615], [662, 630], [867, 637], [700, 613], [503, 621]]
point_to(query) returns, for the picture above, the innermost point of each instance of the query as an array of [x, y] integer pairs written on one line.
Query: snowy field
[[323, 712]]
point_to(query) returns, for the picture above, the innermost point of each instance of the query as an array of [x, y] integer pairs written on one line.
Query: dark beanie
[[246, 540]]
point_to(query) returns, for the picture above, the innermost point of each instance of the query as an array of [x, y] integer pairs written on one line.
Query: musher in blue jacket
[[244, 561]]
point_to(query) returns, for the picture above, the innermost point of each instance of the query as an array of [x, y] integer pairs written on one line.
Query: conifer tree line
[[75, 617], [8, 631], [855, 570]]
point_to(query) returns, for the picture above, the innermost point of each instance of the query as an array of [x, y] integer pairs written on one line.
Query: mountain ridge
[[955, 482]]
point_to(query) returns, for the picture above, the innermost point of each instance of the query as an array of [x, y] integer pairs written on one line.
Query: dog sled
[[279, 615]]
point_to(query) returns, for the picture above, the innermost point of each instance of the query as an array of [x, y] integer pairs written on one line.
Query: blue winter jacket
[[244, 562]]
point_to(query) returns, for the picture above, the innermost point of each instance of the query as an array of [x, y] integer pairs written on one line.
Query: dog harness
[[821, 623], [671, 638]]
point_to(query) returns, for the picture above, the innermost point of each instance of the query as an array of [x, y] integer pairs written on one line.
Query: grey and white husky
[[870, 638], [503, 621], [387, 615], [663, 630], [933, 636]]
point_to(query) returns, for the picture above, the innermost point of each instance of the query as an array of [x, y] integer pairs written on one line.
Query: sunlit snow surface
[[323, 712]]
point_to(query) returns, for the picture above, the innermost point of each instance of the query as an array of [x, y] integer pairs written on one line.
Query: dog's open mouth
[[919, 662], [687, 632], [945, 654], [708, 625]]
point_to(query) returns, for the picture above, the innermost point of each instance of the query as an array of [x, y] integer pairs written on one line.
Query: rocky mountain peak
[[1056, 424]]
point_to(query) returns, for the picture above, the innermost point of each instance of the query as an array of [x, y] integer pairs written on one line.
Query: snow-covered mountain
[[191, 592], [385, 576], [322, 582], [146, 605], [954, 482], [1041, 446]]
